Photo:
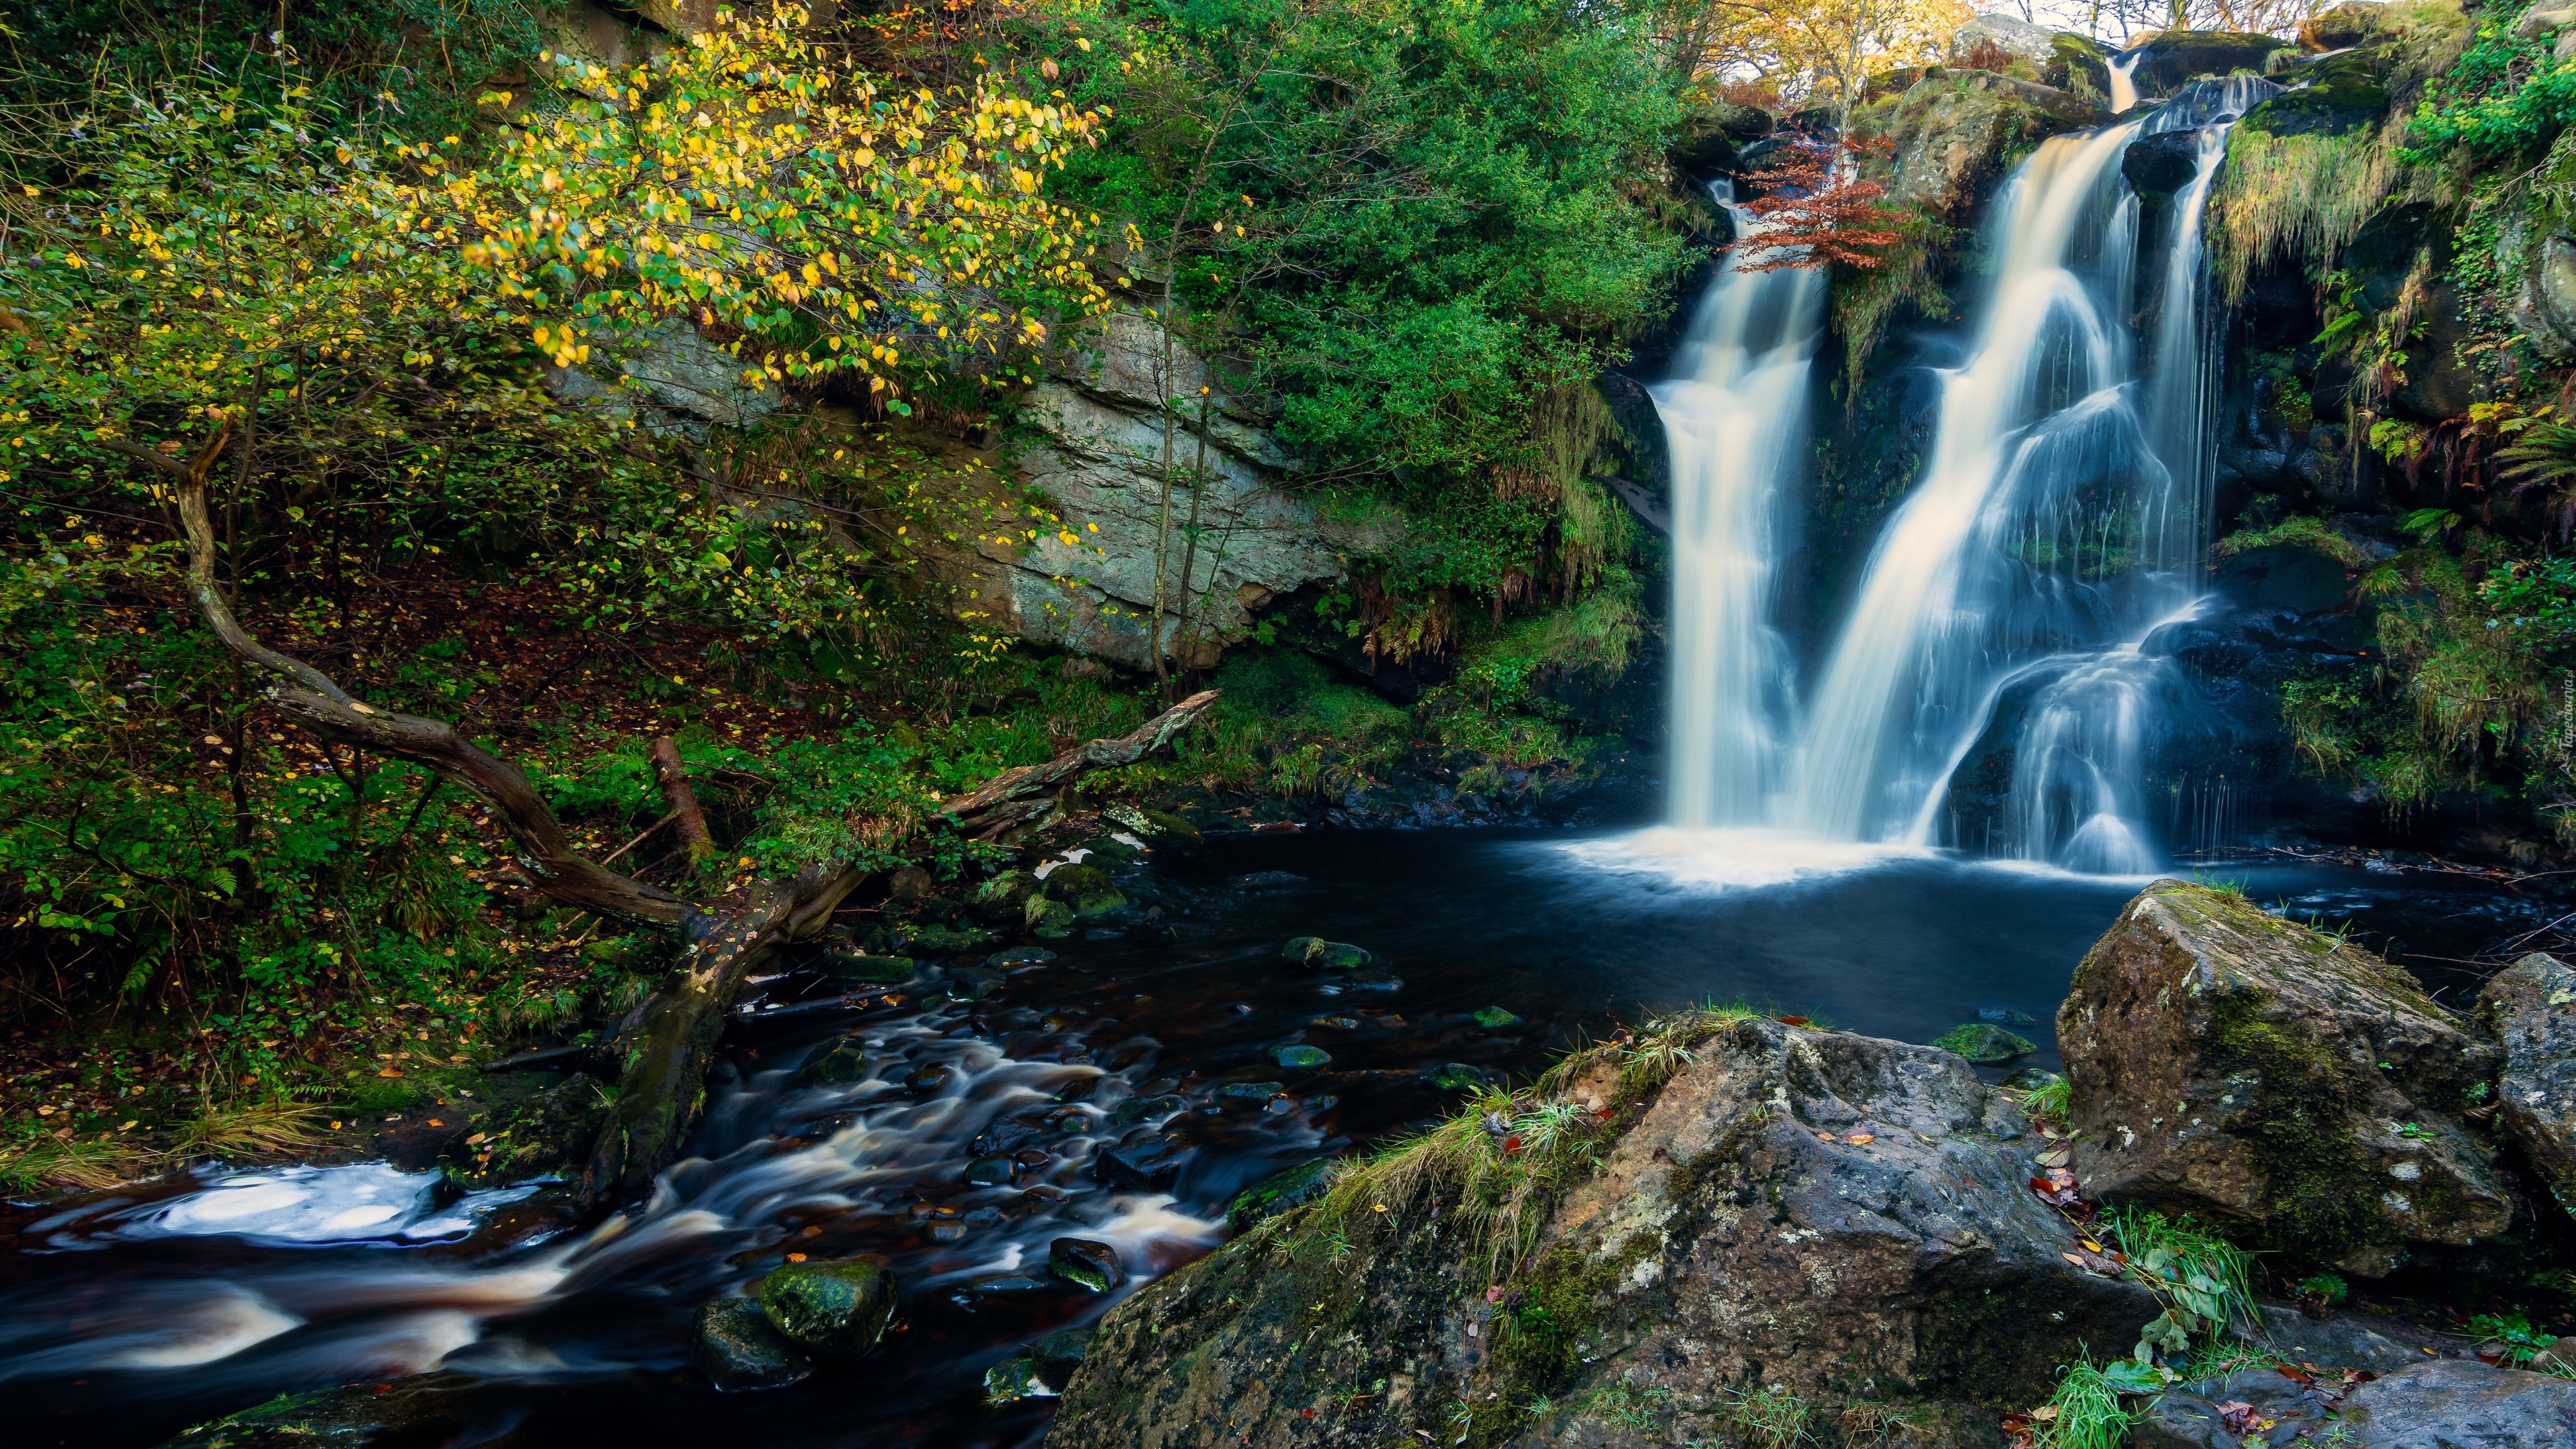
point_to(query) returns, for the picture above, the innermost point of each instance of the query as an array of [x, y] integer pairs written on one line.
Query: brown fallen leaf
[[1861, 1139], [389, 1072]]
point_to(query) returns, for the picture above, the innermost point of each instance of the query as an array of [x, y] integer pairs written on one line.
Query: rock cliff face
[[2259, 1074], [1095, 451], [1794, 1219], [2531, 1007]]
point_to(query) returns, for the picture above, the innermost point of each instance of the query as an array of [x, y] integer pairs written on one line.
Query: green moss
[[2322, 1198]]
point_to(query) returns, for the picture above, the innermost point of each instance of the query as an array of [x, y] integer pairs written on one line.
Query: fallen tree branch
[[664, 1070]]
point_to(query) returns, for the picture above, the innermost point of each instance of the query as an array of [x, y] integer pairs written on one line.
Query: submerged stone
[[1257, 1091], [927, 1080], [1984, 1043], [735, 1345], [1020, 959], [832, 1310], [1371, 981], [2005, 1016], [838, 1064], [1138, 1109], [948, 938], [2030, 1079], [1317, 954], [1015, 1381], [1264, 880], [1301, 1056], [1459, 1077], [972, 983], [989, 1172], [1061, 1352], [1494, 1018], [995, 1287], [1277, 1193]]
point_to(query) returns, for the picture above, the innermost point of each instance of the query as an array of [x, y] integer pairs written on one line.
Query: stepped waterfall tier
[[2059, 519]]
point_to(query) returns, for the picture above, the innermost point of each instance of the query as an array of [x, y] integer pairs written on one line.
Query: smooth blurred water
[[128, 1315]]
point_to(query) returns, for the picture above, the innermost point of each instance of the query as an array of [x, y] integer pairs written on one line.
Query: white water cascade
[[1990, 560], [1735, 420]]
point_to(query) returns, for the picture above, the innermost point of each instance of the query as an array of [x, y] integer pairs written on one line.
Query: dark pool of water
[[125, 1317]]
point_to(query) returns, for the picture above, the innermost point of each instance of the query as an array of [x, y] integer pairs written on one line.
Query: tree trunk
[[683, 801]]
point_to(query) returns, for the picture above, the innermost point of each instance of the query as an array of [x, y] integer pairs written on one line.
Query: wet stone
[[2030, 1079], [1031, 1157], [1459, 1077], [1087, 1262], [932, 939], [1015, 1381], [2005, 1016], [1256, 1091], [1019, 959], [1314, 953], [983, 1217], [1984, 1043], [929, 1080], [1339, 1023], [1377, 981], [945, 1232], [1137, 1109], [992, 1288], [989, 1172], [972, 983], [1279, 1192], [834, 1310], [1151, 1164], [1301, 1056], [734, 1344], [1494, 1018], [1060, 1353]]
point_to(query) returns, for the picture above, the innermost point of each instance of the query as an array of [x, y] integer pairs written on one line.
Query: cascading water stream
[[2124, 91], [1944, 600], [1734, 414]]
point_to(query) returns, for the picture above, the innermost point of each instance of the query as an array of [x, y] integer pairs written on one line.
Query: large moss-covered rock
[[1956, 133], [423, 1411], [544, 1136], [2531, 1008], [1845, 1218], [829, 1310], [2340, 27], [2286, 1083], [2178, 57]]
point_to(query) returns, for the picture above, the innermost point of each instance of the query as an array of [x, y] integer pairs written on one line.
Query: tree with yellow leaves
[[1823, 52], [825, 218]]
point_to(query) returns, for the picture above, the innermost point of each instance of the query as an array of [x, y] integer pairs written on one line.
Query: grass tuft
[[244, 1129], [2088, 1414]]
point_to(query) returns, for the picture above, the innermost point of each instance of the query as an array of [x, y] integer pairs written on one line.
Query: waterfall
[[1734, 416], [2124, 92], [2001, 546]]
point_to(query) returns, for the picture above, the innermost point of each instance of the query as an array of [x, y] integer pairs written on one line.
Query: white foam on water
[[354, 1203], [219, 1328], [1738, 859]]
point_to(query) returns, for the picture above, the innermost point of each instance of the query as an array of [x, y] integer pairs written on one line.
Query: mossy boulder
[[2285, 1084], [2178, 57], [544, 1136], [1001, 900], [1955, 133], [1984, 1043], [2531, 1008], [838, 1063], [2340, 94], [856, 966], [1317, 954], [829, 1310], [1070, 883], [2340, 27], [417, 1412], [1015, 1381], [735, 1345], [1846, 1218], [2080, 66]]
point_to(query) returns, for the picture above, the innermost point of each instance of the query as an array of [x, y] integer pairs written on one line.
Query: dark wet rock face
[[543, 1136], [413, 1413], [2255, 1073], [1843, 1216], [2429, 1404], [1278, 1193], [734, 1344], [2531, 1008]]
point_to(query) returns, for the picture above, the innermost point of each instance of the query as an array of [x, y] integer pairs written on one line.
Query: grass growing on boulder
[[2300, 197], [2204, 1282], [1771, 1417]]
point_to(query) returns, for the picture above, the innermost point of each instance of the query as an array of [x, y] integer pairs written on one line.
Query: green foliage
[[2504, 94], [2512, 1332], [2204, 1282], [2088, 1414], [2299, 531], [1771, 1416], [2328, 1289]]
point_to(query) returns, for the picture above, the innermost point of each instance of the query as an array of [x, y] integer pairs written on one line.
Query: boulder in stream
[[2531, 1008], [1845, 1218], [1984, 1043], [2276, 1080], [735, 1345], [829, 1310], [1317, 954]]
